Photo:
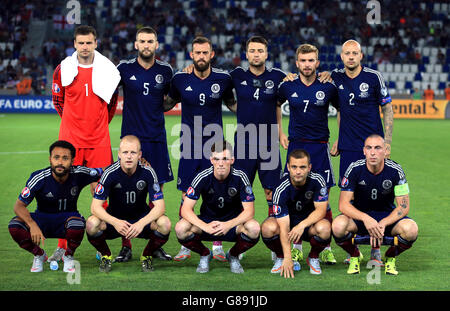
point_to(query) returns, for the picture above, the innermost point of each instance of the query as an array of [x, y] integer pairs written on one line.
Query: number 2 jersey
[[53, 197], [374, 192], [222, 200], [127, 194], [360, 99]]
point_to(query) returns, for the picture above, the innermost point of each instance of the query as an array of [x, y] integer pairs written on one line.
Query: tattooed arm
[[388, 120], [399, 212]]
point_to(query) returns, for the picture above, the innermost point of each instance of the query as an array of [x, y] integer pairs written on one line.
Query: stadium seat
[[400, 86], [442, 85], [397, 67], [408, 85], [443, 77], [392, 85], [418, 76]]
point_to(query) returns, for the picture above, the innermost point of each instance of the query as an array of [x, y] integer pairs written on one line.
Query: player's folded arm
[[169, 103]]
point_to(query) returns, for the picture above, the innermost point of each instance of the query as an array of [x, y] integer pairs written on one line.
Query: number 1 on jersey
[[87, 89]]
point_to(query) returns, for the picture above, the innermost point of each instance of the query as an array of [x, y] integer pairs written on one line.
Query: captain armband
[[402, 189]]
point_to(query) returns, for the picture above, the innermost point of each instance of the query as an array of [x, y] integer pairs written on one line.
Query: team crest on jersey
[[344, 182], [93, 172], [276, 209], [179, 181], [74, 191], [387, 184], [215, 88], [159, 78], [55, 88], [190, 191], [308, 195], [232, 191], [364, 87], [324, 191], [25, 192], [269, 84], [99, 189], [320, 95], [140, 185]]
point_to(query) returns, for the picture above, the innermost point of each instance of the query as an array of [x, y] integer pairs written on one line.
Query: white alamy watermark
[[374, 15], [74, 14], [253, 142], [74, 277], [374, 275]]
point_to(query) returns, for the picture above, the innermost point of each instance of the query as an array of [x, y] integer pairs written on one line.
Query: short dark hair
[[221, 145], [257, 39], [84, 30], [299, 154], [201, 40], [146, 29], [63, 144]]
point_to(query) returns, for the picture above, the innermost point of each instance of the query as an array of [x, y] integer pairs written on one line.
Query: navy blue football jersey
[[127, 194], [143, 97], [222, 200], [257, 101], [373, 192], [290, 200], [201, 98], [360, 99], [53, 197], [308, 108]]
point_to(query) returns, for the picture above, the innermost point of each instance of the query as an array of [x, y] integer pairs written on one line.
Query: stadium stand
[[410, 45]]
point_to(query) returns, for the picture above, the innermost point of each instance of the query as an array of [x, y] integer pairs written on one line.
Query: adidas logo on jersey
[[244, 82], [341, 87], [118, 186], [294, 95], [133, 78], [188, 88], [362, 183], [49, 195]]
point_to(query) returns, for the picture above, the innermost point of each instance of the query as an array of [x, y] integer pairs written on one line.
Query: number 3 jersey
[[222, 200], [127, 194], [374, 192], [299, 202], [53, 197]]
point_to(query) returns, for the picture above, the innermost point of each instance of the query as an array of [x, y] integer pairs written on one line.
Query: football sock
[[346, 243], [62, 243], [396, 250], [270, 205], [22, 236], [243, 243], [105, 205], [99, 242], [157, 239], [317, 245], [74, 234], [274, 244], [126, 242], [194, 243]]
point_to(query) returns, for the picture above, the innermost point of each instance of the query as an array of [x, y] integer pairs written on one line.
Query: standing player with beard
[[145, 83], [56, 189], [308, 101], [361, 92], [84, 96], [201, 95]]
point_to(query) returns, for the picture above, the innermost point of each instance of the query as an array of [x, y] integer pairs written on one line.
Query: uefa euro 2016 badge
[[364, 88], [25, 192], [190, 191], [99, 189], [276, 209]]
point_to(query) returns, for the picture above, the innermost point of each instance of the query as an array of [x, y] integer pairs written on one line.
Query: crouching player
[[300, 203], [374, 182], [127, 183], [56, 189], [227, 211]]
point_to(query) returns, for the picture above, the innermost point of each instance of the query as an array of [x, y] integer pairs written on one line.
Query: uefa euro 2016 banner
[[403, 108]]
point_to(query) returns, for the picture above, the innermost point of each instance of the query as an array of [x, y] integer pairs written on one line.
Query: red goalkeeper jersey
[[84, 115]]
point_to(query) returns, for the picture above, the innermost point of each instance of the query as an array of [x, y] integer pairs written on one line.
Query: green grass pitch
[[420, 146]]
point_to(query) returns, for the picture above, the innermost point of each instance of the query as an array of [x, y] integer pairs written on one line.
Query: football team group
[[128, 200]]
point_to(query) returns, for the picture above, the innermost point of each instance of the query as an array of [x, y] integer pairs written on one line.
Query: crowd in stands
[[409, 32]]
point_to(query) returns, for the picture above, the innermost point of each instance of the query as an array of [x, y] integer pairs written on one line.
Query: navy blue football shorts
[[53, 225], [346, 158], [157, 154], [111, 232], [269, 169], [320, 159], [377, 216]]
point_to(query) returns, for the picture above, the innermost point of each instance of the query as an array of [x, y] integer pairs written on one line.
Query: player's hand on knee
[[122, 226], [134, 230], [36, 234], [295, 234]]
